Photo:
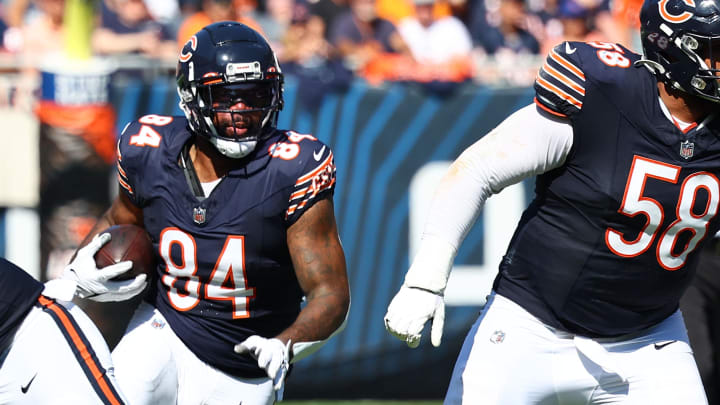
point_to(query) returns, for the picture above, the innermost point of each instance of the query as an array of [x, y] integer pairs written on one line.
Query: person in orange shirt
[[212, 11], [397, 10]]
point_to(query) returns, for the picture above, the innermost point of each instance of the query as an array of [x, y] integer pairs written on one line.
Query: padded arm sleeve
[[527, 143]]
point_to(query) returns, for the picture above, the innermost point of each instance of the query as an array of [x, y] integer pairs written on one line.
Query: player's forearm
[[323, 316]]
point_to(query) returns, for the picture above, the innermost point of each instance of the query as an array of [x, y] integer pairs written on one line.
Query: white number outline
[[289, 151], [188, 270], [223, 269], [694, 182], [610, 54], [147, 136], [634, 203]]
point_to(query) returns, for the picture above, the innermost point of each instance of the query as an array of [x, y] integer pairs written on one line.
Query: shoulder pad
[[313, 168], [569, 69], [146, 141]]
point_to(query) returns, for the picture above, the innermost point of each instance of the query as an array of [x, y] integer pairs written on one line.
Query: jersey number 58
[[669, 255]]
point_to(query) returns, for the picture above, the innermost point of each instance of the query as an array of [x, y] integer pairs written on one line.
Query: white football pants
[[154, 367], [511, 357], [58, 357]]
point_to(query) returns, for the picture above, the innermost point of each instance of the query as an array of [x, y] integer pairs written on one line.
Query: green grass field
[[360, 402]]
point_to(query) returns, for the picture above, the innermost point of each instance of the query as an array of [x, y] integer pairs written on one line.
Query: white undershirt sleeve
[[525, 144], [304, 349]]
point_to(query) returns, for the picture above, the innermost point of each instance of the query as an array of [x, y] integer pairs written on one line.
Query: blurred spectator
[[16, 11], [305, 39], [41, 32], [460, 9], [627, 18], [37, 37], [328, 11], [441, 46], [76, 132], [187, 7], [363, 40], [275, 22], [583, 20], [212, 11], [396, 10], [310, 57], [507, 29], [127, 27], [165, 12]]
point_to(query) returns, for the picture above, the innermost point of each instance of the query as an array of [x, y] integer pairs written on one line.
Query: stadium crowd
[[329, 42]]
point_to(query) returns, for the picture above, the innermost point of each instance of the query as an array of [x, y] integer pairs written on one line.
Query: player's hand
[[409, 310], [272, 355], [96, 284]]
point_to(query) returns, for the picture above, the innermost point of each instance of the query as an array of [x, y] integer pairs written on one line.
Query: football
[[129, 242]]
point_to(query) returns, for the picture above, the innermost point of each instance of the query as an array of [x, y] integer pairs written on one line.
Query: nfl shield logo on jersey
[[497, 337], [686, 149], [199, 215]]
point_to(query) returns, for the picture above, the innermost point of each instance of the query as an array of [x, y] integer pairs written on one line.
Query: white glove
[[96, 284], [410, 309], [272, 355]]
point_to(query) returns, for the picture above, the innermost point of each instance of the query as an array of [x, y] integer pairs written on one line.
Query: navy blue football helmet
[[677, 37], [223, 64]]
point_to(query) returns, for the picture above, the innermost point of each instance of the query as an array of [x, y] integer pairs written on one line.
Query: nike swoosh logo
[[569, 49], [25, 388], [659, 346], [317, 155]]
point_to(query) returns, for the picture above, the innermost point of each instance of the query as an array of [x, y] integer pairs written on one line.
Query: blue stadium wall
[[381, 136]]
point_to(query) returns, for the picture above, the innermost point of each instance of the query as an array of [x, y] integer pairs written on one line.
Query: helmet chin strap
[[233, 149], [236, 149]]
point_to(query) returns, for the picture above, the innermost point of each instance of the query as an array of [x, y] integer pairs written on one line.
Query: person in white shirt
[[434, 40]]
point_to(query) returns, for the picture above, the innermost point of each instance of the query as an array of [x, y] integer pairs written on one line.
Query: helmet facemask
[[235, 116], [702, 49]]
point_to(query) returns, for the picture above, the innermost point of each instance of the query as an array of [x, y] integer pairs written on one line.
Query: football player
[[627, 157], [241, 217], [50, 351]]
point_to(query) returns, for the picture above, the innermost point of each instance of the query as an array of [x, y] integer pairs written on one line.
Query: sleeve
[[527, 143], [125, 167], [560, 83], [317, 181], [122, 175]]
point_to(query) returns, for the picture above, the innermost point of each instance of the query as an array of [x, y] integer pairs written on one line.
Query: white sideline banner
[[19, 164]]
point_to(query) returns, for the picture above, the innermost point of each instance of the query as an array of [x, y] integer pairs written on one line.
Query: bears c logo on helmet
[[184, 57], [682, 17]]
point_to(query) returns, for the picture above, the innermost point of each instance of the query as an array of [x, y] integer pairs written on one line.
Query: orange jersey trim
[[559, 92], [562, 78], [315, 171], [83, 353], [565, 63]]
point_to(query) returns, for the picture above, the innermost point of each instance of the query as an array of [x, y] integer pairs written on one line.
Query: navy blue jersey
[[224, 269], [19, 291], [612, 238]]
